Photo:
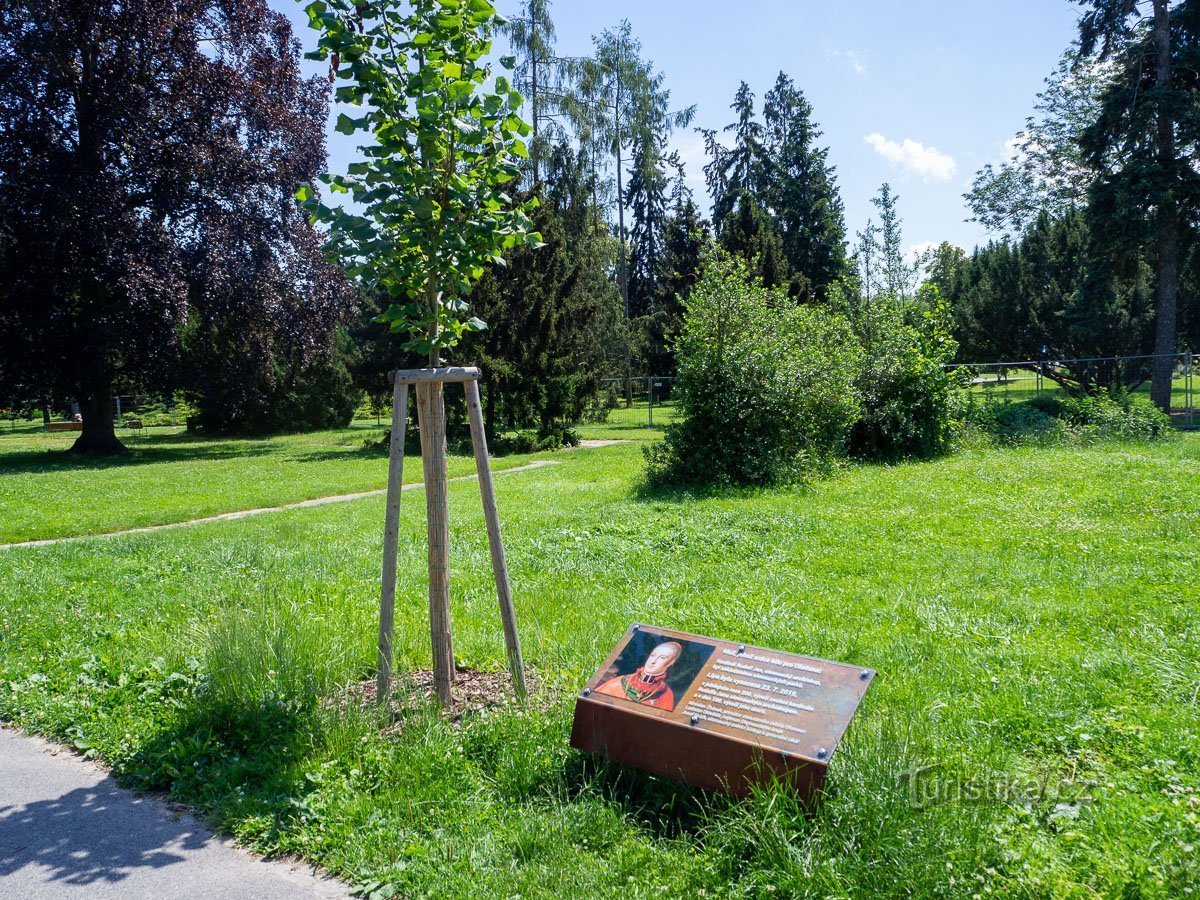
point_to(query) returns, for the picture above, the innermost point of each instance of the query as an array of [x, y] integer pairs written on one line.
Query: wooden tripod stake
[[431, 417]]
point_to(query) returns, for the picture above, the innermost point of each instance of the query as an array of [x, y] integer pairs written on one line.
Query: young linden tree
[[430, 208]]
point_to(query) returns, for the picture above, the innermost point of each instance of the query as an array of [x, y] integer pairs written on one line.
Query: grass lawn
[[171, 476], [1018, 385], [1033, 613]]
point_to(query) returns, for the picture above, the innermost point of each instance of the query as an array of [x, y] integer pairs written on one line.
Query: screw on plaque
[[695, 720], [586, 691], [864, 675], [822, 753], [635, 627], [741, 648]]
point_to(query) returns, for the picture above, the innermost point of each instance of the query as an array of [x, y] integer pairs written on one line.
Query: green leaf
[[304, 193], [509, 62], [452, 70], [460, 90]]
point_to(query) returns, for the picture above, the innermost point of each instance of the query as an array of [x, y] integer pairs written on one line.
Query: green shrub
[[910, 400], [766, 388], [1044, 420], [1118, 415], [1027, 422], [293, 396], [458, 441]]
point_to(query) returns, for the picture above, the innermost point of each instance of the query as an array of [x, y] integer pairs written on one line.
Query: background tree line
[[149, 244], [1097, 209]]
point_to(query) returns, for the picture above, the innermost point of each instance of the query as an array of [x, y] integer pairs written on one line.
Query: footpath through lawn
[[171, 476], [1034, 730]]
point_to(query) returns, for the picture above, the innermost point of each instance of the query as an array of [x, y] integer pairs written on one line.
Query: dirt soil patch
[[474, 692]]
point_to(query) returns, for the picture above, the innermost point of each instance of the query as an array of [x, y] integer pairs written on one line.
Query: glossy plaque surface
[[717, 714]]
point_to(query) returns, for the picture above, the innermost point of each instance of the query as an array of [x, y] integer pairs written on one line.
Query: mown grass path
[[1035, 728], [245, 513]]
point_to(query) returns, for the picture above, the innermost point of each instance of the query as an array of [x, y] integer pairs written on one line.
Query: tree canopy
[[148, 151], [432, 184]]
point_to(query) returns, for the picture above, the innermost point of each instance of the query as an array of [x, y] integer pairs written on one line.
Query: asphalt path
[[67, 829]]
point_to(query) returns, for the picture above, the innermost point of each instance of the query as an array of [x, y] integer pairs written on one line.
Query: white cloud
[[915, 251], [859, 67], [914, 156]]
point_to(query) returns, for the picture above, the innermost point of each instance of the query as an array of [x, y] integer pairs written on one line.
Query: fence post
[[1191, 405], [650, 399]]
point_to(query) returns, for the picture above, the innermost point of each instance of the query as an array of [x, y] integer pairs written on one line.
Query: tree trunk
[[624, 270], [46, 413], [1167, 282], [431, 416], [534, 142], [98, 437]]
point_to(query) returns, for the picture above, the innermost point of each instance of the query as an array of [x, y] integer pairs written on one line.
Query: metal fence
[[143, 411], [653, 390], [1013, 380], [1025, 379]]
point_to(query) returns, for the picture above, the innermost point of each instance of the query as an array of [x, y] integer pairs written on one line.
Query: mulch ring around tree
[[475, 692]]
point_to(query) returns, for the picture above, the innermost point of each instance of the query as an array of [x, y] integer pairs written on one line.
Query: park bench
[[64, 426]]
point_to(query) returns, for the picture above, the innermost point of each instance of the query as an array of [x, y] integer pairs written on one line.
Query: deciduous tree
[[431, 188], [147, 148]]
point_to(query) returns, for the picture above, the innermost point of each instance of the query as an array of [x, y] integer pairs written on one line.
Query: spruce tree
[[749, 232], [685, 236], [646, 198], [740, 169], [780, 166], [801, 191]]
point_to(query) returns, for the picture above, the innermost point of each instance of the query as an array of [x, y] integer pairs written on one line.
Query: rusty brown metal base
[[682, 752]]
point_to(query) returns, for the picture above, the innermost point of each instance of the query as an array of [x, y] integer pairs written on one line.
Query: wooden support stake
[[432, 415], [442, 374], [499, 565], [391, 537]]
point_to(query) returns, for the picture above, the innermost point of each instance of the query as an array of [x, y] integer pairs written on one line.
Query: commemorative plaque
[[717, 714]]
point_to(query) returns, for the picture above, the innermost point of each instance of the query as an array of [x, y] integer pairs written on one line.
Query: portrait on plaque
[[654, 670]]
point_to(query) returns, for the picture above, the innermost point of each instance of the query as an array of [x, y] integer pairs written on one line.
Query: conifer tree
[[1155, 188], [620, 97], [749, 232], [539, 76], [740, 169], [553, 315], [800, 189], [685, 236], [646, 198], [781, 166], [897, 274]]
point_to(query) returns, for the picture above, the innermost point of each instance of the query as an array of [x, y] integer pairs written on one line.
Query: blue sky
[[920, 94]]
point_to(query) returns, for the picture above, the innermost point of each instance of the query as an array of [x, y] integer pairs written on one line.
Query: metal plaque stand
[[431, 418]]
